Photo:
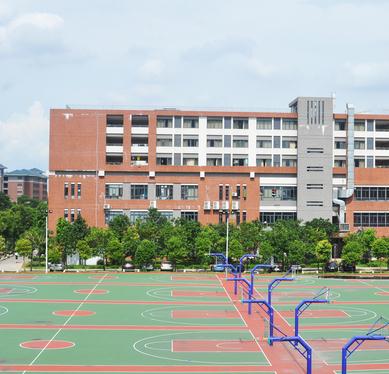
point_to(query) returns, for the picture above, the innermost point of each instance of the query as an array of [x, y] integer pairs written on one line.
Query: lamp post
[[47, 241]]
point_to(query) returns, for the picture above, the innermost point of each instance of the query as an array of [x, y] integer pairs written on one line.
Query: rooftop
[[27, 173]]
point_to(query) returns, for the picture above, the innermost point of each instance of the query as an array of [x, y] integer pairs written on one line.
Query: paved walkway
[[11, 264]]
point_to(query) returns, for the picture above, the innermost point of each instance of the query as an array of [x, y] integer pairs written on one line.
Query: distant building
[[29, 182], [2, 168]]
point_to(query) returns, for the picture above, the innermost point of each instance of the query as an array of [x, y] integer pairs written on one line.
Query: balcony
[[114, 130], [114, 149]]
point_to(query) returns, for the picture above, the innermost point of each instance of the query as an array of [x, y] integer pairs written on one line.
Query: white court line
[[66, 322], [240, 314]]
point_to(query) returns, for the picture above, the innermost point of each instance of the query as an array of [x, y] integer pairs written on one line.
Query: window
[[190, 141], [135, 215], [277, 123], [139, 191], [72, 215], [114, 140], [372, 193], [263, 160], [111, 214], [340, 144], [240, 123], [340, 125], [240, 160], [164, 159], [382, 163], [371, 219], [264, 142], [220, 192], [244, 216], [139, 120], [240, 142], [114, 159], [164, 122], [227, 192], [214, 141], [359, 125], [314, 186], [314, 203], [190, 216], [237, 217], [244, 192], [315, 168], [359, 144], [164, 192], [140, 140], [359, 162], [214, 123], [139, 159], [114, 191], [114, 120], [164, 141], [79, 190], [289, 142], [271, 193], [288, 161], [191, 123], [214, 160], [289, 124], [382, 125], [264, 124], [220, 218], [382, 145], [167, 214], [238, 191], [78, 212], [340, 163], [271, 217], [189, 192], [315, 150], [72, 190], [66, 190], [190, 159], [66, 214]]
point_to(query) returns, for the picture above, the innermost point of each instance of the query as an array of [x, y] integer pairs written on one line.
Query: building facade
[[28, 182], [303, 164], [2, 168]]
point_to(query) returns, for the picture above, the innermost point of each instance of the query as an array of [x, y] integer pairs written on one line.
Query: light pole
[[47, 241]]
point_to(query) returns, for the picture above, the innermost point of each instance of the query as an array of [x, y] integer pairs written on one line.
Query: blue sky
[[248, 54]]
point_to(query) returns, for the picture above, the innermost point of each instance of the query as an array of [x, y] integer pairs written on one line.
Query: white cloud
[[151, 68], [261, 69], [30, 31], [367, 74], [24, 139]]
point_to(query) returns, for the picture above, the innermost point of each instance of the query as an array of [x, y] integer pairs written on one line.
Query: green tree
[[37, 239], [54, 253], [84, 250], [119, 225], [24, 248], [324, 225], [380, 249], [115, 253], [323, 251], [145, 254], [131, 241], [98, 239], [26, 200], [5, 201], [65, 238], [2, 245], [176, 250], [352, 252]]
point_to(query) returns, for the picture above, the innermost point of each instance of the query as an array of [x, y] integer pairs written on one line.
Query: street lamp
[[47, 241]]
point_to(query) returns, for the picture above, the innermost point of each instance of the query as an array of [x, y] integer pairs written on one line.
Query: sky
[[214, 54]]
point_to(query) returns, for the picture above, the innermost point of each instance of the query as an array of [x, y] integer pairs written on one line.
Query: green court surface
[[179, 322]]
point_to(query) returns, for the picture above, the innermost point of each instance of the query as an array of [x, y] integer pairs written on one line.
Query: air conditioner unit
[[215, 205], [207, 205], [101, 173], [234, 194], [153, 204], [344, 227], [225, 205], [202, 174], [152, 174], [235, 205], [107, 206]]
